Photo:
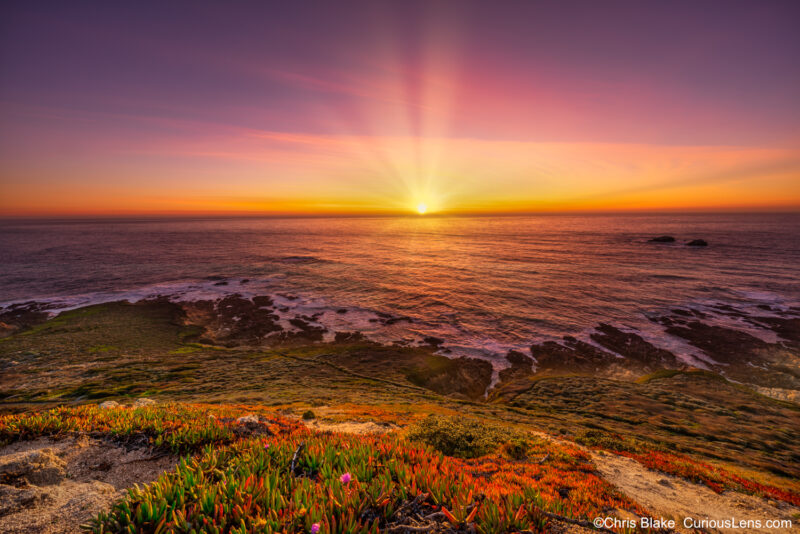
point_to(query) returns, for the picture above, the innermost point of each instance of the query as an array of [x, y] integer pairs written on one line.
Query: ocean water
[[484, 284]]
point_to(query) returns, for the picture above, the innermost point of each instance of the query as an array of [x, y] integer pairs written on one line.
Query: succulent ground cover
[[715, 477], [174, 427], [277, 476]]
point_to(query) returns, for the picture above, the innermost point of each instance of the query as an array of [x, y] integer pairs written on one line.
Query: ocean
[[484, 285]]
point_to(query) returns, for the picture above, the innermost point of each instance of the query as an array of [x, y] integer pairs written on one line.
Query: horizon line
[[784, 210]]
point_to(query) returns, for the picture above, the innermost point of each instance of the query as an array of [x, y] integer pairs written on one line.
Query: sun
[[422, 208]]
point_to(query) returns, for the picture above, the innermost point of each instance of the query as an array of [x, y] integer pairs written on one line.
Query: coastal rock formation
[[662, 239], [641, 354], [142, 402], [433, 341], [348, 337], [521, 365], [462, 376], [570, 356], [743, 357], [21, 316], [233, 320], [307, 332], [788, 328], [107, 405], [724, 345], [697, 243]]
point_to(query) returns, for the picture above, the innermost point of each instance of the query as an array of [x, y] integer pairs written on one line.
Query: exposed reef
[[760, 349]]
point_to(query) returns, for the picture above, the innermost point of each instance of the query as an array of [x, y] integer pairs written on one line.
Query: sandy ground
[[350, 427], [52, 487], [670, 497]]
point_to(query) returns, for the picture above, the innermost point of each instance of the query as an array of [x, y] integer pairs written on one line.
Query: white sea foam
[[484, 285]]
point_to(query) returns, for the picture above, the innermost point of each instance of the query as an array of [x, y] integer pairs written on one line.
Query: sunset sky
[[376, 107]]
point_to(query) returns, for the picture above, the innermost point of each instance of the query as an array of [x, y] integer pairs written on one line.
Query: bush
[[516, 449], [464, 438], [308, 414], [615, 442]]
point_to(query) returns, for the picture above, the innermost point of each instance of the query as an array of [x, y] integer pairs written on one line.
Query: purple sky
[[87, 87]]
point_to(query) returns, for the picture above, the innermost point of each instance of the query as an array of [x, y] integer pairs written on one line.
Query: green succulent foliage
[[249, 487]]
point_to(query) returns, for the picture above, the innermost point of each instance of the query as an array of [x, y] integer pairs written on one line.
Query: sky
[[122, 108]]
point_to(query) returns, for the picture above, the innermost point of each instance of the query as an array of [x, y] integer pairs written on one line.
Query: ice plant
[[229, 483]]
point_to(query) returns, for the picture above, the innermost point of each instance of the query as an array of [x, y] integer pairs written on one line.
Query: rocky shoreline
[[772, 366]]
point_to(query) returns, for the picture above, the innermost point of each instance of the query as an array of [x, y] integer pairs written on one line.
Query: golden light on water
[[422, 208]]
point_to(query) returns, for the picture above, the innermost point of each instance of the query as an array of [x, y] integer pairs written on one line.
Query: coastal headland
[[612, 412]]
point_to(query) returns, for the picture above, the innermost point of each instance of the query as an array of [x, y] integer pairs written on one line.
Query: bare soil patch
[[54, 486], [674, 498], [351, 427]]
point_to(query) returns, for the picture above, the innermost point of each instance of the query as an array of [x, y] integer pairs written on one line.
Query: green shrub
[[464, 438], [308, 414], [516, 448], [615, 442]]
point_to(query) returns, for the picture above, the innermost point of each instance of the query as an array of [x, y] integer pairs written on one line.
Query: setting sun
[[377, 253]]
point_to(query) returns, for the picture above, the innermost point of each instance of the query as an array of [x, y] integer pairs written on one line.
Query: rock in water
[[141, 403], [348, 337], [518, 359], [663, 239], [433, 341], [697, 243], [109, 404]]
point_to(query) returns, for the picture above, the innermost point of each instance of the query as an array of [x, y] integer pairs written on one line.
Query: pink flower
[[266, 446], [315, 528], [346, 478]]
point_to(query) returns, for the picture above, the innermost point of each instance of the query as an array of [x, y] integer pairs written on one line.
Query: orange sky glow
[[380, 130]]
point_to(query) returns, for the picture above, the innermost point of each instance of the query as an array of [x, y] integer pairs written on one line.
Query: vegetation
[[464, 438], [449, 463], [173, 427], [715, 477], [281, 477], [690, 413]]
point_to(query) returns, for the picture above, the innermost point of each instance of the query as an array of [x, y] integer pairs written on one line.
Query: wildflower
[[345, 478], [266, 446], [315, 528]]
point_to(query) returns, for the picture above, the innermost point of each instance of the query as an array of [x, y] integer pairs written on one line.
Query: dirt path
[[53, 487], [670, 497]]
